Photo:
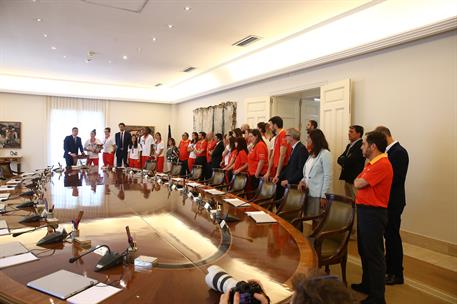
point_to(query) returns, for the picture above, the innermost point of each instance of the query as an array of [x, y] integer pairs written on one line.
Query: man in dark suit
[[398, 157], [123, 140], [216, 153], [352, 161], [71, 145], [293, 172]]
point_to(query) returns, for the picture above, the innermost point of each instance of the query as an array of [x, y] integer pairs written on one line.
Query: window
[[66, 113]]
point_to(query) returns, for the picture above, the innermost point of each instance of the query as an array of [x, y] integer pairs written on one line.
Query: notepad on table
[[237, 202], [261, 217], [12, 248], [62, 284], [194, 184], [7, 188], [14, 182], [177, 179], [4, 227], [17, 259], [214, 191], [4, 196], [94, 295]]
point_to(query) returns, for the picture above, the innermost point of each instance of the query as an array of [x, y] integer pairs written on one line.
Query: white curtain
[[64, 113]]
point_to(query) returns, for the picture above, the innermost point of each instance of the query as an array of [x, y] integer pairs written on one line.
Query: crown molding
[[443, 26]]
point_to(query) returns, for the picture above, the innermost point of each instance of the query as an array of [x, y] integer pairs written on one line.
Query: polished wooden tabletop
[[165, 224]]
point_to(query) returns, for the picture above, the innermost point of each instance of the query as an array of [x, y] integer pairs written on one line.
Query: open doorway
[[297, 108]]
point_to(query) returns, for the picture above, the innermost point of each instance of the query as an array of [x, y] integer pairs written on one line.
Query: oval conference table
[[165, 224]]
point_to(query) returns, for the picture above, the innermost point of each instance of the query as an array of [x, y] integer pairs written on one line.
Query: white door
[[288, 108], [335, 119], [257, 110]]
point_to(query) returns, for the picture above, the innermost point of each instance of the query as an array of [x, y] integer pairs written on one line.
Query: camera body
[[246, 291]]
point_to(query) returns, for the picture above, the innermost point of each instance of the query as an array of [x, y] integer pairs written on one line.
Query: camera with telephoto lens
[[219, 280], [246, 291]]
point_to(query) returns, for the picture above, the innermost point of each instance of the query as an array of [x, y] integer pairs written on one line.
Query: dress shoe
[[360, 288], [393, 279]]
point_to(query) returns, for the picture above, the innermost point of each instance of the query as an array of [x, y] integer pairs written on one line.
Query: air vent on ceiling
[[246, 40], [189, 69], [158, 84]]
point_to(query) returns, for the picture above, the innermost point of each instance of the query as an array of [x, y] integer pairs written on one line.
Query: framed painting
[[10, 135], [138, 130]]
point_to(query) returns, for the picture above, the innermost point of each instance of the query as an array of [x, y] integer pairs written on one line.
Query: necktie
[[122, 139]]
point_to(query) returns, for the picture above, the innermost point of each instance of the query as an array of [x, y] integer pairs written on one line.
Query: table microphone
[[110, 259], [29, 204], [53, 237], [27, 231]]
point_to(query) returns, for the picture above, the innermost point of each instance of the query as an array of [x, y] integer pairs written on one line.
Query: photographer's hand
[[236, 299], [262, 298]]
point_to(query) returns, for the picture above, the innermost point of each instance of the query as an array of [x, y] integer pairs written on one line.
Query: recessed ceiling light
[[38, 19], [187, 8], [170, 26], [109, 61], [33, 0], [53, 48], [64, 56], [125, 57], [154, 39], [45, 35]]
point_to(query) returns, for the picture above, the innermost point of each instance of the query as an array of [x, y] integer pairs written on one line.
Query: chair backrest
[[6, 169], [341, 212], [176, 169], [267, 189], [217, 178], [239, 182], [150, 165], [292, 203], [197, 172]]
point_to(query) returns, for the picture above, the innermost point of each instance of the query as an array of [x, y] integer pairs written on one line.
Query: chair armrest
[[260, 201], [264, 204], [289, 211], [222, 185], [326, 234]]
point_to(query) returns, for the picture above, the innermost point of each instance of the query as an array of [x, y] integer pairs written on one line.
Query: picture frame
[[10, 135], [137, 130]]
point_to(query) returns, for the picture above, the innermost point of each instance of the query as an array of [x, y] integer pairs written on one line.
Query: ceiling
[[50, 56], [201, 36]]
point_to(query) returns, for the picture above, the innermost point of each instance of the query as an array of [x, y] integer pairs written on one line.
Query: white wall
[[31, 111], [412, 89]]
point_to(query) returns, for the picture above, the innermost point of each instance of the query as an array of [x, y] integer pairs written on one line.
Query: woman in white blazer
[[317, 172]]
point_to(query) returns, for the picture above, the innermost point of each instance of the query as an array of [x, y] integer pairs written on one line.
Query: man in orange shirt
[[200, 150], [372, 199], [281, 151], [183, 153]]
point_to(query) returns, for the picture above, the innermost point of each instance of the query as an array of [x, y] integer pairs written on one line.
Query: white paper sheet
[[94, 295], [261, 217], [214, 191], [237, 202], [192, 184], [7, 188], [4, 195], [17, 259], [13, 182], [4, 232], [3, 224]]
